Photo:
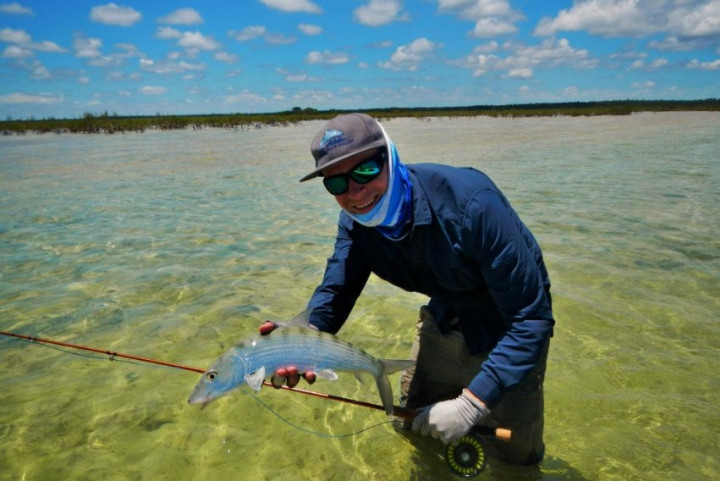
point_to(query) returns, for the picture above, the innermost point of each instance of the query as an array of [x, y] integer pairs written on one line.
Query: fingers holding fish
[[290, 376], [267, 327]]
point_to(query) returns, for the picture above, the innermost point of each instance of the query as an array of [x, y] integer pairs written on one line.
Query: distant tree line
[[112, 123]]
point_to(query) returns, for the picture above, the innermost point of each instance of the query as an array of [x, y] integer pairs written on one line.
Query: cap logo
[[332, 139]]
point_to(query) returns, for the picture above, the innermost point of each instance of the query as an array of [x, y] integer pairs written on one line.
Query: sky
[[63, 59]]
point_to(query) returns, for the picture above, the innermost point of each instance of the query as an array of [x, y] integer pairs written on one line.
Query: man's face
[[359, 198]]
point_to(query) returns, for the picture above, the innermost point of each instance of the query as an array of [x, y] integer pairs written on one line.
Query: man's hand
[[285, 375], [449, 420]]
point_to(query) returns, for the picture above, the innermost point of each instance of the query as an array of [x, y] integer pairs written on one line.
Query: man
[[448, 233]]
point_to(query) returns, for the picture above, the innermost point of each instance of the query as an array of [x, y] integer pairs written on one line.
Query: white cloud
[[47, 46], [487, 48], [309, 29], [698, 65], [168, 32], [408, 57], [87, 47], [492, 27], [473, 9], [258, 31], [152, 90], [182, 16], [293, 5], [682, 20], [245, 97], [601, 17], [15, 9], [169, 67], [326, 58], [13, 51], [301, 77], [279, 39], [549, 53], [571, 91], [225, 57], [128, 50], [40, 98], [643, 85], [637, 65], [24, 44], [248, 33], [38, 71], [696, 21], [11, 35], [112, 14], [197, 40], [521, 73], [640, 64], [491, 17], [380, 12]]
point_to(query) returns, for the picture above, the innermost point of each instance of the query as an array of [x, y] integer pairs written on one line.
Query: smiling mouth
[[365, 207]]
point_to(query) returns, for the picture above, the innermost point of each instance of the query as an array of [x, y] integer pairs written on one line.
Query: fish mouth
[[204, 401]]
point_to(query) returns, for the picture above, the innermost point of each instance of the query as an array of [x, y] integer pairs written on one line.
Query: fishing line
[[465, 456], [310, 431], [107, 357], [132, 359], [147, 362]]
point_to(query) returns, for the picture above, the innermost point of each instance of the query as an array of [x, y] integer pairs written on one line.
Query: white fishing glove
[[449, 420]]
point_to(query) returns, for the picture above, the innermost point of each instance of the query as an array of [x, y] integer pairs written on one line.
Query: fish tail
[[389, 366], [394, 365]]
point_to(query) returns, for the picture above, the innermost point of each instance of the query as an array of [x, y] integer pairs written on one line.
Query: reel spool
[[466, 456]]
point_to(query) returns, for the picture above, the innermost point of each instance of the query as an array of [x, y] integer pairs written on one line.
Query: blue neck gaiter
[[394, 211]]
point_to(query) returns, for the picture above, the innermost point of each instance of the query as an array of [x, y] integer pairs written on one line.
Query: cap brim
[[316, 173]]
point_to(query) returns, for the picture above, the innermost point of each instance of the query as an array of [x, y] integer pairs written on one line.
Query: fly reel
[[466, 456]]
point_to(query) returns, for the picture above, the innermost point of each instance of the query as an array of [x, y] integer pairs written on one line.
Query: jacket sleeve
[[346, 273], [511, 265]]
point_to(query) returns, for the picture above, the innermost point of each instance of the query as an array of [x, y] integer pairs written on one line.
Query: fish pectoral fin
[[255, 379], [328, 374]]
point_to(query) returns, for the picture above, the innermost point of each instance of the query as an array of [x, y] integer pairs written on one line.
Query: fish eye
[[211, 375]]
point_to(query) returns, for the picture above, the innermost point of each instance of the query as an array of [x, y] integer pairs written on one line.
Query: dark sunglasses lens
[[366, 172], [362, 174], [336, 185]]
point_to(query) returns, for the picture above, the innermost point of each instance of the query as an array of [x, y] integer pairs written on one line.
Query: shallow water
[[173, 245]]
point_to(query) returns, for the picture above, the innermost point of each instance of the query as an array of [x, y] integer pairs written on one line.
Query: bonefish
[[249, 361]]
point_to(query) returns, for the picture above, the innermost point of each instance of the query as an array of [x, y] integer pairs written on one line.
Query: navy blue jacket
[[470, 252]]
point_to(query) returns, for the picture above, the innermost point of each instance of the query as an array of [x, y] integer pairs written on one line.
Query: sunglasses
[[364, 172]]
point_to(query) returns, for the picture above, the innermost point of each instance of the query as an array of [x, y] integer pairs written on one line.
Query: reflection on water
[[173, 245]]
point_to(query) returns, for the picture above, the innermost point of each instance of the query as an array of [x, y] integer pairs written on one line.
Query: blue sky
[[62, 59]]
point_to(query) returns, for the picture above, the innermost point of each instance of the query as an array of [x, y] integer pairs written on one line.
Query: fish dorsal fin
[[328, 374], [301, 320], [255, 379]]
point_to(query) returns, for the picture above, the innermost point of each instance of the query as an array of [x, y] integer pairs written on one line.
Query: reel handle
[[502, 434]]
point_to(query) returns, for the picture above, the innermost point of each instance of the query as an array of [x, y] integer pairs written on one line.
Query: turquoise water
[[173, 245]]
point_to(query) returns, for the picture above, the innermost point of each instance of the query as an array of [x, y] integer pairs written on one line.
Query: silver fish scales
[[248, 362]]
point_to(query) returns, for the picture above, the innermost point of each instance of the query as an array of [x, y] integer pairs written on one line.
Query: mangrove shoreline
[[105, 123]]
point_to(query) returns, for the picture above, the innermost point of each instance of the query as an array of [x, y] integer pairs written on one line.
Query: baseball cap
[[342, 137]]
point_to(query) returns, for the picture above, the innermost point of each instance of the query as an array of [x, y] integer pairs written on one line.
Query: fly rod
[[465, 456], [398, 411]]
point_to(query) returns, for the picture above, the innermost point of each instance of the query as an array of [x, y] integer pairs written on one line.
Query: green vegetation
[[109, 124]]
